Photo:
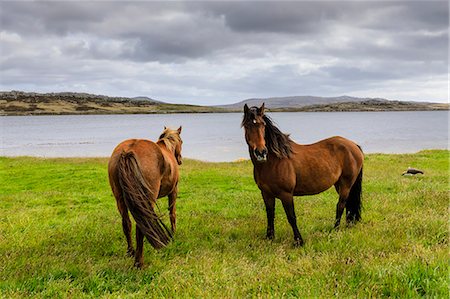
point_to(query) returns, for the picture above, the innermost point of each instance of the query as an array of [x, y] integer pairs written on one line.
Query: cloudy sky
[[223, 52]]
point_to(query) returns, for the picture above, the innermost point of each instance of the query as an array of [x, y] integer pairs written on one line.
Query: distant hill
[[297, 102], [367, 105], [31, 103], [146, 99]]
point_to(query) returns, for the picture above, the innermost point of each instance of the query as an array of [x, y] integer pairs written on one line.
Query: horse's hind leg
[[172, 210], [139, 256], [343, 191], [288, 205], [126, 224]]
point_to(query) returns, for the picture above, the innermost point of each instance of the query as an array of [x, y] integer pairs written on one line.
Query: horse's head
[[178, 148], [173, 142], [254, 126]]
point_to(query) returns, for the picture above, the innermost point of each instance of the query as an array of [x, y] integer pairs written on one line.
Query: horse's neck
[[163, 145], [169, 154], [169, 161]]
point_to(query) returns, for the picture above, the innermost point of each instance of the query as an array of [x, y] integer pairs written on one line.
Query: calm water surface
[[218, 137]]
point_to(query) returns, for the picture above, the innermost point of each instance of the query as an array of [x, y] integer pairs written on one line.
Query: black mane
[[277, 142]]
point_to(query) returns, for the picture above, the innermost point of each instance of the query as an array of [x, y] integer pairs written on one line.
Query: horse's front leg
[[172, 209], [288, 204], [269, 201]]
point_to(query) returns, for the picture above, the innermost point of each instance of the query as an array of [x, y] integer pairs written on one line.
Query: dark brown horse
[[141, 171], [284, 169]]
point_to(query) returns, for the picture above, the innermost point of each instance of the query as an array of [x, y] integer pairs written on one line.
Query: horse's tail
[[354, 203], [137, 196]]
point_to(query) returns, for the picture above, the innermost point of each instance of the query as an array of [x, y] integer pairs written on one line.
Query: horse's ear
[[261, 109], [245, 109], [165, 128], [179, 130]]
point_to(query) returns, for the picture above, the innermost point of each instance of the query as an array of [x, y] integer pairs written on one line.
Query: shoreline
[[222, 112], [239, 160]]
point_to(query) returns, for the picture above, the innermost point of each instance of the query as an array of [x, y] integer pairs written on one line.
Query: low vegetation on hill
[[61, 235], [368, 105], [21, 103]]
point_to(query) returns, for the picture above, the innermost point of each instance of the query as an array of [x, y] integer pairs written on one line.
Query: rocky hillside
[[27, 103]]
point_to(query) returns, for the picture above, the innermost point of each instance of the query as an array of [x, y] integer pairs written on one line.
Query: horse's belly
[[316, 185], [310, 191], [165, 190]]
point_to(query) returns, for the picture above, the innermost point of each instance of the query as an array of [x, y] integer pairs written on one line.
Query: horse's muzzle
[[261, 156]]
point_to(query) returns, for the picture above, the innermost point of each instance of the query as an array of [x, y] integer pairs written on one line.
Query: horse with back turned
[[141, 171], [284, 169]]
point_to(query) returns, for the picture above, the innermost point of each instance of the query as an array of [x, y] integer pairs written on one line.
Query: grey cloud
[[279, 17], [353, 44], [31, 18], [410, 16], [158, 33]]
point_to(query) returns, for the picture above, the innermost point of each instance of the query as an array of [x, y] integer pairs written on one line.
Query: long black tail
[[137, 196], [354, 203]]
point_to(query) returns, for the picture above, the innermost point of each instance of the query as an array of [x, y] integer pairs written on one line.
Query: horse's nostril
[[260, 155]]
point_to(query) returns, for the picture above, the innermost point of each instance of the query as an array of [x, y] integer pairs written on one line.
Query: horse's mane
[[170, 138], [277, 142]]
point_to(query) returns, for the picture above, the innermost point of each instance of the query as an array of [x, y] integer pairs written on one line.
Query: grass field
[[61, 235]]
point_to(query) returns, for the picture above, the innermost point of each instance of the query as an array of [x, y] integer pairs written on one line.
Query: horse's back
[[336, 146], [348, 152], [145, 151], [319, 165], [147, 154]]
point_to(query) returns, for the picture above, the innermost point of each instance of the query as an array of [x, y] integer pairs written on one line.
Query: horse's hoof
[[130, 252], [270, 233], [139, 265], [351, 223], [298, 243], [336, 225]]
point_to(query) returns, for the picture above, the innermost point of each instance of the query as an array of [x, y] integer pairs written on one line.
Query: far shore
[[139, 110], [16, 103]]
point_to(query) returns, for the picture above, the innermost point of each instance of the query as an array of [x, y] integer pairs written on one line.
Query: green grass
[[61, 235]]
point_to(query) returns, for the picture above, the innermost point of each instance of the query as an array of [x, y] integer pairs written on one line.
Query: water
[[218, 137]]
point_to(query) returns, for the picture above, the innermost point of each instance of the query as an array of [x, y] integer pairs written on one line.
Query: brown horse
[[141, 171], [283, 169]]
